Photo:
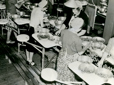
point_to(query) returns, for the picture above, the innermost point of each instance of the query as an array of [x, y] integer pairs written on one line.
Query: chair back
[[91, 13]]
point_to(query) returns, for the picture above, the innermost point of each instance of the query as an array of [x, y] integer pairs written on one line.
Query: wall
[[52, 1], [109, 23]]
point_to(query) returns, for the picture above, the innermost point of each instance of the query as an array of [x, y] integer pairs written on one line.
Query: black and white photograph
[[56, 42]]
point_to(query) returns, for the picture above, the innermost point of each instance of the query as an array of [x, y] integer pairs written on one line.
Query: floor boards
[[18, 71]]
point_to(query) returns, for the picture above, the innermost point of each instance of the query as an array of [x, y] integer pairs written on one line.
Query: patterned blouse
[[71, 44]]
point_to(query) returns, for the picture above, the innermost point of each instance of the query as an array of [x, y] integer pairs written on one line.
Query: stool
[[3, 22], [22, 38]]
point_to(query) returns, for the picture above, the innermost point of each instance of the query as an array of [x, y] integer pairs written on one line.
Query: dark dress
[[10, 6], [29, 47], [84, 16]]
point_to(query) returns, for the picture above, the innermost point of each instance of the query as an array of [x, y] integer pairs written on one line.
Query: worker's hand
[[100, 63], [58, 32], [104, 56], [88, 46]]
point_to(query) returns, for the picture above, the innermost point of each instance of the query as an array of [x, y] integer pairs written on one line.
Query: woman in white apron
[[36, 23]]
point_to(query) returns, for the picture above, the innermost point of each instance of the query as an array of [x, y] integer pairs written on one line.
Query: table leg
[[43, 53], [18, 30], [19, 47]]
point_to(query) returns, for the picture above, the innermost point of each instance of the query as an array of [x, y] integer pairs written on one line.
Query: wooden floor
[[16, 72], [8, 73]]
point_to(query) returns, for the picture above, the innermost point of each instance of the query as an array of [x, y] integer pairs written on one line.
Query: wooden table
[[89, 78], [46, 43]]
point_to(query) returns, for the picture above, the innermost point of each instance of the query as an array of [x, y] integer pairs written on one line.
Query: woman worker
[[72, 11], [109, 51], [71, 49]]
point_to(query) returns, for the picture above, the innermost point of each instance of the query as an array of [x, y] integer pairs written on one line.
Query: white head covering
[[78, 3], [71, 4], [83, 2], [76, 25], [43, 3], [75, 3]]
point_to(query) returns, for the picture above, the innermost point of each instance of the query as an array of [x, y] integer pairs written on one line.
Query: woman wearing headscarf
[[10, 10], [71, 49], [72, 12]]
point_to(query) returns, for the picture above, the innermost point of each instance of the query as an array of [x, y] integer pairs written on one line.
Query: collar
[[74, 15], [79, 31]]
